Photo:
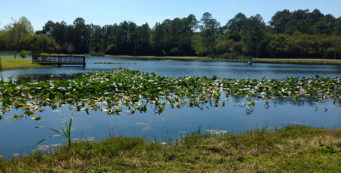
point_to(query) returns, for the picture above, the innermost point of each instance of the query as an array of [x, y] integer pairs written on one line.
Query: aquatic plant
[[66, 133], [138, 91]]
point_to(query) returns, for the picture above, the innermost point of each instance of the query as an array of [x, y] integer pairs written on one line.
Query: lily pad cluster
[[139, 91]]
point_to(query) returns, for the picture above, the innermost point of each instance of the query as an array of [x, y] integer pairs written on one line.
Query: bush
[[23, 54], [44, 54]]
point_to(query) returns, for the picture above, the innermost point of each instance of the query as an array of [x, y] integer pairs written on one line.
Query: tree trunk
[[335, 47], [257, 49], [135, 49]]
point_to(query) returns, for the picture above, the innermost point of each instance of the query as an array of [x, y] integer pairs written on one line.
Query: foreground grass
[[17, 63], [291, 149]]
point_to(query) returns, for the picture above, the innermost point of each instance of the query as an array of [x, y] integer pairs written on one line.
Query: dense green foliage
[[23, 54], [112, 92], [16, 36], [290, 149], [299, 33]]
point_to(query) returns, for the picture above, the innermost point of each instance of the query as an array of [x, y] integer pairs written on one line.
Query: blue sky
[[103, 12]]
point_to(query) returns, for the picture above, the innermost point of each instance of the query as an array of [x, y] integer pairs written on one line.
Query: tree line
[[296, 34]]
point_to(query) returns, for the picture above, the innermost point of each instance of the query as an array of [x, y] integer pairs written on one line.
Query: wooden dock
[[60, 60]]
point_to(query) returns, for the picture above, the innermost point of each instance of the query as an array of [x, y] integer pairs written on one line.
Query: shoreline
[[18, 63], [286, 149], [254, 60], [313, 61], [317, 61]]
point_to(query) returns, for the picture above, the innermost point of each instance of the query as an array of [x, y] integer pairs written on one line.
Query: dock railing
[[60, 60]]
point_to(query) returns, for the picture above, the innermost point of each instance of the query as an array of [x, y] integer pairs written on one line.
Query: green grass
[[291, 149], [162, 57], [206, 58], [17, 63], [298, 61], [259, 60]]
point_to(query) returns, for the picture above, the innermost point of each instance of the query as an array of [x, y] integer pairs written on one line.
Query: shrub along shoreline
[[289, 149]]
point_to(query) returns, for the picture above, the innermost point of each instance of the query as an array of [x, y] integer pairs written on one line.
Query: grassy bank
[[162, 57], [17, 63], [291, 149], [205, 58], [298, 61], [259, 60]]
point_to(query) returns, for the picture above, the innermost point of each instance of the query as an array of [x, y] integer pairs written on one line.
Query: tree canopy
[[289, 34]]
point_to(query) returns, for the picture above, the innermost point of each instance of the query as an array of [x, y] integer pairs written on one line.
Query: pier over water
[[60, 60]]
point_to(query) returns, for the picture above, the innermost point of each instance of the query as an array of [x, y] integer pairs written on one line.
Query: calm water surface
[[17, 136], [172, 68]]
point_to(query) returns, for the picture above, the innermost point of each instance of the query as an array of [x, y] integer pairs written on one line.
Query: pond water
[[172, 68], [18, 136]]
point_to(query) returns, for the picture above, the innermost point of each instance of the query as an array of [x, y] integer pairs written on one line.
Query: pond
[[18, 136], [176, 68]]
